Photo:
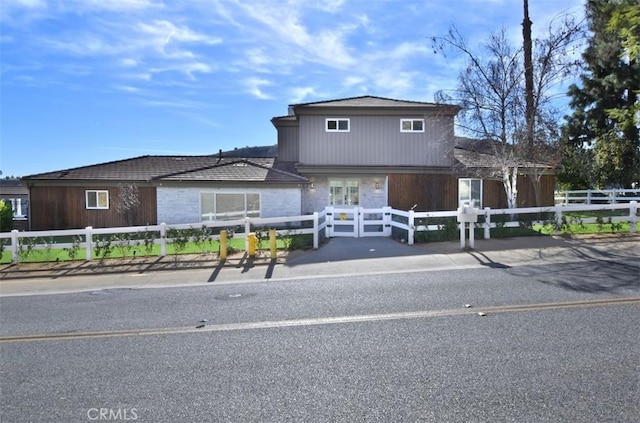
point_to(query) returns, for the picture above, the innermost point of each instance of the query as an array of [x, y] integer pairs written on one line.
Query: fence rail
[[89, 238], [318, 224], [600, 196]]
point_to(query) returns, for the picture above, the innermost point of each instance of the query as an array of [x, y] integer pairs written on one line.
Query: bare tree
[[128, 201], [514, 128], [490, 93]]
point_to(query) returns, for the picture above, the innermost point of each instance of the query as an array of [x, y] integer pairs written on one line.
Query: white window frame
[[467, 201], [402, 121], [97, 193], [214, 215], [337, 121]]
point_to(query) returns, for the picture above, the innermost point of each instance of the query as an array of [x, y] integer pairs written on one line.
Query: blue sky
[[89, 81]]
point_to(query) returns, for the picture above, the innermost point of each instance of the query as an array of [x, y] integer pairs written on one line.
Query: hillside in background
[[261, 151]]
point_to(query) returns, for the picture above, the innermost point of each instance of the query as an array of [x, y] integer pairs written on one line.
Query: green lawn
[[104, 249]]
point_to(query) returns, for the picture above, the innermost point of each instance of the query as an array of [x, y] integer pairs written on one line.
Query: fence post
[[316, 234], [247, 230], [163, 239], [589, 197], [328, 227], [88, 242], [487, 222], [633, 218], [558, 218], [14, 247], [411, 231]]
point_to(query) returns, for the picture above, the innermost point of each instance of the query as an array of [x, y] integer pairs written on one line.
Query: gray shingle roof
[[181, 168], [367, 101]]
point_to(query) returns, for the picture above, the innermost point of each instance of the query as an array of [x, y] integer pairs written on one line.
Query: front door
[[344, 195], [344, 192]]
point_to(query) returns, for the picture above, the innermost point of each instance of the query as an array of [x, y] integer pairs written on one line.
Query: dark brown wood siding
[[65, 208], [429, 192], [440, 192], [493, 194]]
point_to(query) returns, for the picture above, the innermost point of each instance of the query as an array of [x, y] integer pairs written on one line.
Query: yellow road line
[[319, 321]]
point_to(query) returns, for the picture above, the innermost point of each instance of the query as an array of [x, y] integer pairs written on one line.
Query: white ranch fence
[[89, 238], [597, 196], [322, 225]]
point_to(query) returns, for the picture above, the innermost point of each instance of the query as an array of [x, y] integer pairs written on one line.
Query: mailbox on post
[[467, 214]]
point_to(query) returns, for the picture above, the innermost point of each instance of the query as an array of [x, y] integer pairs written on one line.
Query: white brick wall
[[317, 199], [182, 205]]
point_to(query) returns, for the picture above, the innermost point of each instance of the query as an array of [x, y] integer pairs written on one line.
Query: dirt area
[[139, 264]]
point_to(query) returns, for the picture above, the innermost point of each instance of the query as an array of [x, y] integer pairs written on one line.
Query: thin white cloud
[[254, 86], [299, 94]]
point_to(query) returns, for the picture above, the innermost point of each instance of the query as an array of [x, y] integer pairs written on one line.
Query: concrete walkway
[[337, 257]]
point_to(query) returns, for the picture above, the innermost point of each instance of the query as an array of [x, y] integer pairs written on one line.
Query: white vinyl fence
[[510, 218], [597, 196], [408, 223], [89, 238]]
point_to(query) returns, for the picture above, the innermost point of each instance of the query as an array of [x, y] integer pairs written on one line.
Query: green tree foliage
[[605, 103], [6, 217]]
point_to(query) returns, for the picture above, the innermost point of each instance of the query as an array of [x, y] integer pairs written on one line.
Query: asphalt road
[[558, 343]]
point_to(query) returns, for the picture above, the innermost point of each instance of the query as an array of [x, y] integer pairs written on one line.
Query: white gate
[[358, 222]]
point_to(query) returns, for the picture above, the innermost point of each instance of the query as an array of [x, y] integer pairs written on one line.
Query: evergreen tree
[[604, 104]]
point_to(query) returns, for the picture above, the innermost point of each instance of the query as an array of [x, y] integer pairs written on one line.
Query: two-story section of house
[[372, 152]]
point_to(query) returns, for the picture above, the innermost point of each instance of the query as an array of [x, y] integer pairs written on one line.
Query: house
[[15, 192], [373, 151], [361, 151], [169, 189]]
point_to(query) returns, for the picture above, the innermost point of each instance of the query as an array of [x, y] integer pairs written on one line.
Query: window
[[344, 192], [229, 206], [337, 125], [470, 190], [18, 208], [97, 199], [411, 125]]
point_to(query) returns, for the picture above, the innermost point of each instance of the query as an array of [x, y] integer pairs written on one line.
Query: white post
[[633, 218], [386, 221], [463, 229], [487, 223], [316, 231], [14, 247], [589, 197], [163, 239], [410, 234], [614, 195], [328, 227], [247, 229], [472, 228], [88, 242]]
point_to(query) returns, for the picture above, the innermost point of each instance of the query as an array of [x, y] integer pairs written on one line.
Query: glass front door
[[344, 192]]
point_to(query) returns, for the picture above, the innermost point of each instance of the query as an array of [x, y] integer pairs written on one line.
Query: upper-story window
[[337, 125], [411, 125], [97, 199]]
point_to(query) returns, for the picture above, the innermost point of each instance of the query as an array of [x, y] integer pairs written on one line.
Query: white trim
[[97, 192], [337, 121], [413, 121], [466, 200], [214, 214]]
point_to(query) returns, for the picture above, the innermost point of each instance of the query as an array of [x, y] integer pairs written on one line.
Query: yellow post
[[252, 241], [272, 244], [223, 245]]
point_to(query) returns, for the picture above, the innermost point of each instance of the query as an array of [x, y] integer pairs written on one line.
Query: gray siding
[[288, 146], [376, 141]]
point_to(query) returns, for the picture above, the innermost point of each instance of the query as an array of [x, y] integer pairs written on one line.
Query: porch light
[[311, 186], [377, 185]]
